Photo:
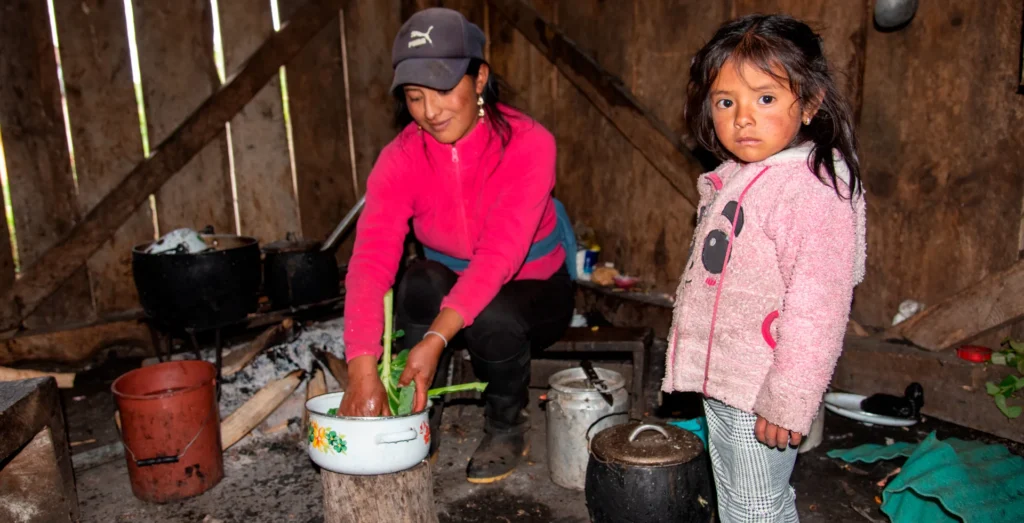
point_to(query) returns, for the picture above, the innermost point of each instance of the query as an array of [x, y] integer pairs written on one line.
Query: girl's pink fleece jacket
[[762, 306], [470, 200]]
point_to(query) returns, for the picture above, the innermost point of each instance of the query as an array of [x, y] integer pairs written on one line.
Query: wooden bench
[[36, 480], [636, 341]]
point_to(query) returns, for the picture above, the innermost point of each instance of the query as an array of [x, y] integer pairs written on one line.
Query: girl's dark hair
[[769, 42], [492, 97]]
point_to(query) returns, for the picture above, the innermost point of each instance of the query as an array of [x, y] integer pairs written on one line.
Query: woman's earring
[[807, 121], [480, 104]]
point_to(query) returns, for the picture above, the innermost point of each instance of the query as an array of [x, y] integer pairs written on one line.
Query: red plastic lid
[[974, 353]]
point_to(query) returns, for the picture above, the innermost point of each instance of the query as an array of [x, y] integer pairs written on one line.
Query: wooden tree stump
[[406, 497]]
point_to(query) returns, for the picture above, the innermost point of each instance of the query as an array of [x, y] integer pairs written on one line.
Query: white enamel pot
[[365, 446]]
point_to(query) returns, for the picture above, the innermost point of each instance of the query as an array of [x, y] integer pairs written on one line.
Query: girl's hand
[[773, 435], [420, 368], [365, 396]]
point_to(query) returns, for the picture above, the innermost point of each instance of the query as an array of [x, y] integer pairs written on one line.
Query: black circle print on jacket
[[717, 242]]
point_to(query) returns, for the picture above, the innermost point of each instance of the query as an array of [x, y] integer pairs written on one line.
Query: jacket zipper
[[721, 279], [461, 204]]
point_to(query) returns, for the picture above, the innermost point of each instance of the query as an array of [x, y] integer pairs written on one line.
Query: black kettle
[[640, 473]]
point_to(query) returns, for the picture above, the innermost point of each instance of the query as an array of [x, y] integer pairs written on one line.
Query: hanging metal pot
[[642, 473]]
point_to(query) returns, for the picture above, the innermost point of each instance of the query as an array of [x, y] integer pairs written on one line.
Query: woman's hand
[[420, 368], [365, 396], [773, 435]]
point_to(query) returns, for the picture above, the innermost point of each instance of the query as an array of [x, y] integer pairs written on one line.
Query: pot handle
[[396, 437], [643, 428]]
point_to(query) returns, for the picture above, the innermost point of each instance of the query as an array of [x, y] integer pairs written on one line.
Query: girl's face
[[755, 116], [447, 115]]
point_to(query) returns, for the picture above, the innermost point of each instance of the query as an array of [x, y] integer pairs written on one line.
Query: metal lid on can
[[650, 445]]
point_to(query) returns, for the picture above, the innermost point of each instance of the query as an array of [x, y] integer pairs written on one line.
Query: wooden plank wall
[[96, 62], [641, 223], [176, 58], [943, 149], [323, 166], [259, 137], [939, 122], [178, 72], [927, 163], [36, 152]]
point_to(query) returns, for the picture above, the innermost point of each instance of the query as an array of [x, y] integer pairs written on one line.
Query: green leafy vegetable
[[1012, 356], [406, 396], [400, 399]]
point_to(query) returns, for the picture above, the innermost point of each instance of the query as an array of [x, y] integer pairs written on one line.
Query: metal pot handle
[[644, 428], [396, 437]]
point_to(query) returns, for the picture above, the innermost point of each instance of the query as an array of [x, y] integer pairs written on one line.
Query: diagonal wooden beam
[[46, 275], [669, 153], [992, 303]]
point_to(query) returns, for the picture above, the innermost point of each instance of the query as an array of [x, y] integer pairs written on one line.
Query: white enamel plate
[[848, 405]]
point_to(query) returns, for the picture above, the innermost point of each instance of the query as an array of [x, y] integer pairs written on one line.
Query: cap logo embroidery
[[419, 38]]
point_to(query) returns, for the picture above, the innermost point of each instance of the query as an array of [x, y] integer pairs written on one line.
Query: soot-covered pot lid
[[650, 445]]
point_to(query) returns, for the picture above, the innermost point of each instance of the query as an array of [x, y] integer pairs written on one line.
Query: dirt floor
[[270, 478]]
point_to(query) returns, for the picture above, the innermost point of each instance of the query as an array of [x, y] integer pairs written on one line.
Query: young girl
[[763, 303]]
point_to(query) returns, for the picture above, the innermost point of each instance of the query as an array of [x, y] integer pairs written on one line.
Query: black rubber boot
[[505, 419], [499, 453]]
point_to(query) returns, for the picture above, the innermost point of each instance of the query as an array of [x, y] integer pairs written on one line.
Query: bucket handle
[[397, 437], [644, 428], [159, 460]]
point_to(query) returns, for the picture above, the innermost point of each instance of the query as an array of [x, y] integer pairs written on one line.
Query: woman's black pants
[[526, 315]]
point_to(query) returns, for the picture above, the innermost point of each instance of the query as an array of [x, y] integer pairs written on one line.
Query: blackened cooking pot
[[648, 473], [298, 272], [304, 272], [200, 291]]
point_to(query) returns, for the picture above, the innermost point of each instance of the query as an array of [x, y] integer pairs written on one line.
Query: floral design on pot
[[325, 440], [425, 432]]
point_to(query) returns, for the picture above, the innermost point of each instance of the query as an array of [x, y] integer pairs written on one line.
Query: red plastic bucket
[[170, 427]]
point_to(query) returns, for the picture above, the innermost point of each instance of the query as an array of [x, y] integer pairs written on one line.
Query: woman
[[474, 177]]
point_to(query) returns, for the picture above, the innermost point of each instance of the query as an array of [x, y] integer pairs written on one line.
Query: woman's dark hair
[[769, 42], [492, 97]]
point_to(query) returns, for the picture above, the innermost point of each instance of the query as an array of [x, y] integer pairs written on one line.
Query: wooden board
[[206, 123], [7, 273], [105, 132], [954, 390], [245, 418], [30, 414], [267, 203], [31, 484], [370, 29], [77, 344], [316, 99], [36, 151], [943, 178], [175, 41], [993, 303]]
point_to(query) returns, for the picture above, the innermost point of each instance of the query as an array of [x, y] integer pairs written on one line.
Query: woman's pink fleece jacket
[[474, 200], [762, 306]]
